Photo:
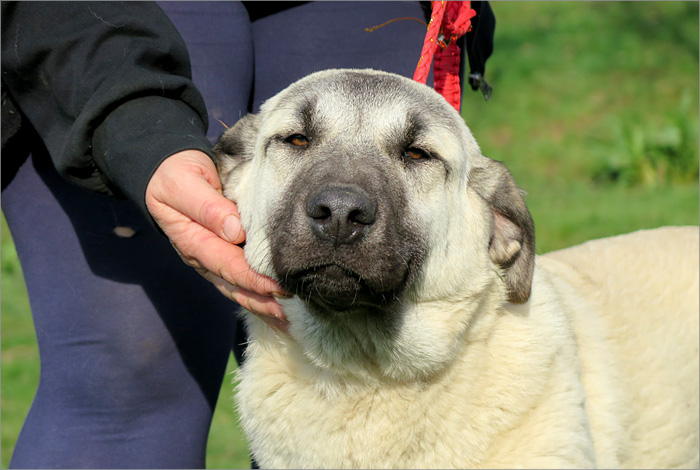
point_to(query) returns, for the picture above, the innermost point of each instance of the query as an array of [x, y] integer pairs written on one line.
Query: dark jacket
[[105, 85]]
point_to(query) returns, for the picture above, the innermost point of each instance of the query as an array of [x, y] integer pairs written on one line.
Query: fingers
[[228, 262], [264, 307], [202, 201], [212, 210], [256, 303]]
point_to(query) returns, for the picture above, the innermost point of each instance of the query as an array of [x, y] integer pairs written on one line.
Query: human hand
[[185, 198]]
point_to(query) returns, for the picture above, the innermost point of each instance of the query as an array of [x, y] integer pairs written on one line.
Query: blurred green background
[[595, 112]]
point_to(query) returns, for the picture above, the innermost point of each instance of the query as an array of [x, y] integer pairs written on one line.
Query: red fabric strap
[[448, 22]]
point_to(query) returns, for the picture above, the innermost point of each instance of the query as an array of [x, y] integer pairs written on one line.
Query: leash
[[449, 21]]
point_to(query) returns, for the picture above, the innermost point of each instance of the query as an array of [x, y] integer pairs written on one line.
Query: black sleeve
[[106, 85]]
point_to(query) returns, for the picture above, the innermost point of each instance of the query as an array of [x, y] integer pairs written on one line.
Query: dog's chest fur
[[504, 394]]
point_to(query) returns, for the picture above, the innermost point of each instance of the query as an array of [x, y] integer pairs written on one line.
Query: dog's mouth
[[333, 287]]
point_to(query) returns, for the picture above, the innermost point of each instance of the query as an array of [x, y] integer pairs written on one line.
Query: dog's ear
[[512, 243], [234, 150]]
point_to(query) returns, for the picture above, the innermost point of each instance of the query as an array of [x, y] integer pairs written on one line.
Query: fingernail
[[279, 313], [281, 325], [231, 228]]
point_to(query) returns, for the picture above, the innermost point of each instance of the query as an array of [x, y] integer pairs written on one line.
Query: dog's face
[[365, 195]]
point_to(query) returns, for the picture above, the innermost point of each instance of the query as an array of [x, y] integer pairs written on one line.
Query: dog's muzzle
[[344, 245]]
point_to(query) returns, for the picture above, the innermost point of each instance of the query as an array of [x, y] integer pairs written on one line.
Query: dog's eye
[[415, 155], [297, 140]]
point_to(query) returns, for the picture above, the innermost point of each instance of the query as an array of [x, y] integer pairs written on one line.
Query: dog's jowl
[[424, 332]]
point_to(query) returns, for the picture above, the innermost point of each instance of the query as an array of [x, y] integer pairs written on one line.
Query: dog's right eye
[[297, 140], [413, 154]]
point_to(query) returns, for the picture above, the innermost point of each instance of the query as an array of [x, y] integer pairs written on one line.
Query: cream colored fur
[[598, 368]]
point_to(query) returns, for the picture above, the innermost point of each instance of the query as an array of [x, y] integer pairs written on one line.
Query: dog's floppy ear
[[512, 244], [235, 149]]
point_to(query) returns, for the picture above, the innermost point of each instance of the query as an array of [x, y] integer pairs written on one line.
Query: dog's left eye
[[297, 140], [415, 155]]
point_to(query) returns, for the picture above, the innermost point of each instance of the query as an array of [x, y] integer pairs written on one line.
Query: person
[[109, 111]]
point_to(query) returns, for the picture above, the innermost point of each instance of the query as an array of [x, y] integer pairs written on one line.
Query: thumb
[[188, 182]]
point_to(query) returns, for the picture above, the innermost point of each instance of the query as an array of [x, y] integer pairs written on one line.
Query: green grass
[[595, 112], [19, 360], [226, 447], [584, 89]]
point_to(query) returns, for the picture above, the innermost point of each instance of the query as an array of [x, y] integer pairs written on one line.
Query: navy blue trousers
[[133, 344]]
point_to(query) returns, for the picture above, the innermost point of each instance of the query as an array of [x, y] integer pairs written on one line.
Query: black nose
[[341, 214]]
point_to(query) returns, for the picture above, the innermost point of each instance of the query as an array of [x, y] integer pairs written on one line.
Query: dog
[[424, 332]]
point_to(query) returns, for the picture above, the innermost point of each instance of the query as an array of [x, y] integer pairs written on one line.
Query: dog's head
[[365, 195]]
